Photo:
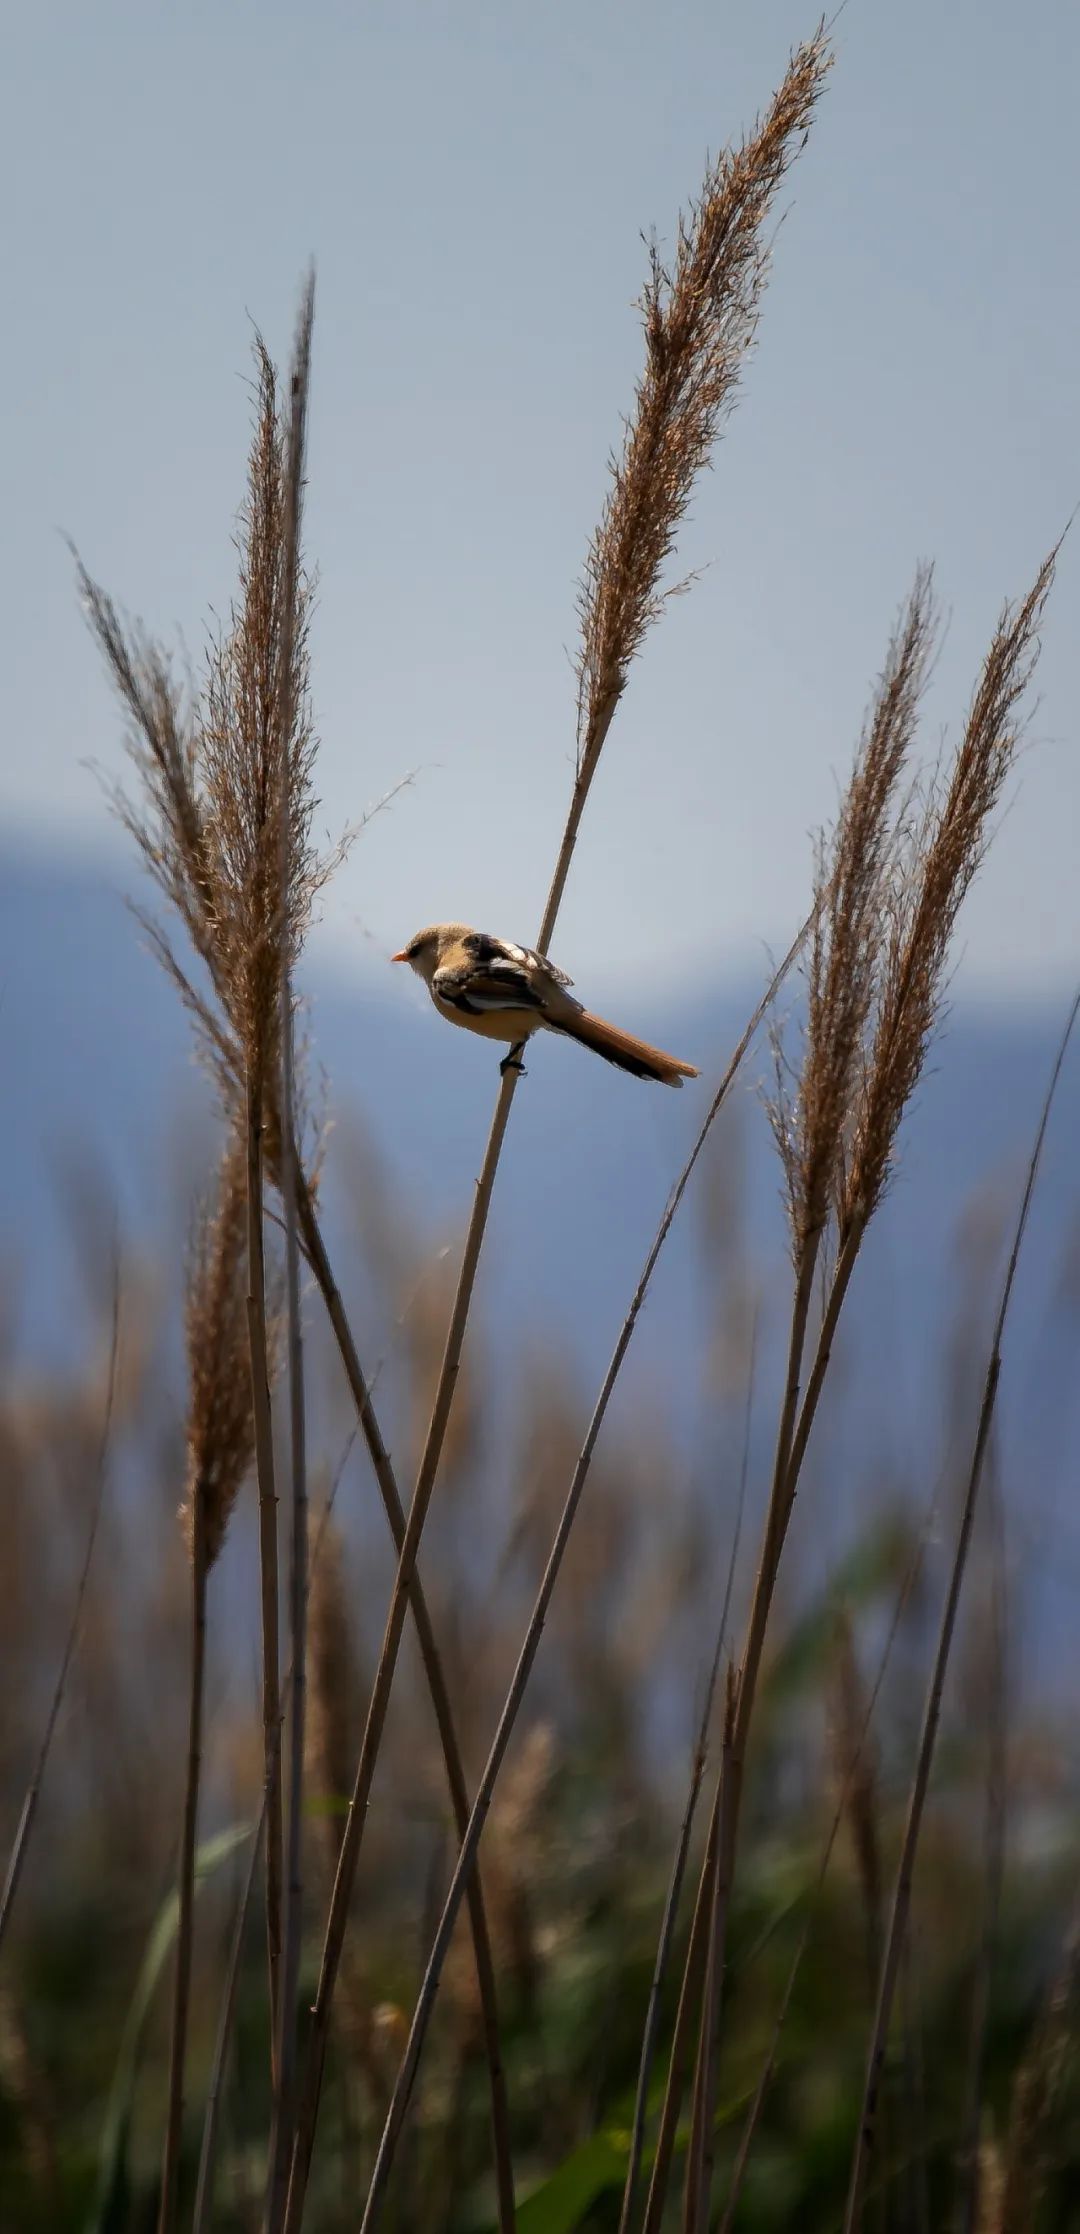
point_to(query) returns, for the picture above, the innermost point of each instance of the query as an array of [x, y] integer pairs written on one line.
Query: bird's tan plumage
[[506, 992]]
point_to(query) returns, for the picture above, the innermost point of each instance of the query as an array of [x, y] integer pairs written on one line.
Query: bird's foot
[[513, 1061]]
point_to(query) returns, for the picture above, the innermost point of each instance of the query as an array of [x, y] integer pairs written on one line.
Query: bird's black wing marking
[[481, 989], [492, 952], [540, 962]]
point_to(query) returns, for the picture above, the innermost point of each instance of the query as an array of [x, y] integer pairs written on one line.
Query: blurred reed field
[[429, 1802]]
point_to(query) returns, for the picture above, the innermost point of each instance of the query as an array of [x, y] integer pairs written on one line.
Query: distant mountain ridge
[[98, 1072]]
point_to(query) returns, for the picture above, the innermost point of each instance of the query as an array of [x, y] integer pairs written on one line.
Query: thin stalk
[[315, 1248], [694, 2150], [792, 1438], [678, 1867], [170, 2165], [290, 1188], [268, 1548], [768, 2067], [815, 1379], [696, 1952], [701, 2153], [204, 2193], [33, 1789], [593, 747], [776, 1519], [534, 1632], [969, 2184], [345, 1877], [867, 2128], [917, 2200]]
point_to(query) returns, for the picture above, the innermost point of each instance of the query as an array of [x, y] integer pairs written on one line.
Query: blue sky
[[473, 181]]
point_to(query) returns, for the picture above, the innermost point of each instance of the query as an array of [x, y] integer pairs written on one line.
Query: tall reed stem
[[792, 1438], [268, 1550], [290, 1184], [315, 1248], [682, 1848], [901, 1904], [693, 1971], [170, 2169]]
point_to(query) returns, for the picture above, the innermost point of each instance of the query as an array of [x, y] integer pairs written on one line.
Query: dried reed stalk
[[697, 1950], [204, 2193], [290, 1182], [702, 2149], [682, 1848], [29, 1808], [901, 1904], [223, 821], [968, 2207], [220, 1440], [841, 965], [440, 1697], [207, 843], [853, 1772], [699, 323], [268, 1548], [888, 894]]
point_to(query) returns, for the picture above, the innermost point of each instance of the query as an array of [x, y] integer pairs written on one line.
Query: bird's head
[[426, 949]]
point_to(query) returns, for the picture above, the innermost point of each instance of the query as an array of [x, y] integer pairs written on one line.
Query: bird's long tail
[[634, 1055]]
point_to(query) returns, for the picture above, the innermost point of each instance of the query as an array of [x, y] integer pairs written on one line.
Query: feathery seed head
[[699, 323], [855, 868], [941, 855], [224, 800], [220, 1429]]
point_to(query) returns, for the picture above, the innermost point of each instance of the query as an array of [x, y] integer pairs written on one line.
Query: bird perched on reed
[[507, 992]]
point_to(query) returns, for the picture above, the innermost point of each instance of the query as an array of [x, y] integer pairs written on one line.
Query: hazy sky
[[473, 180]]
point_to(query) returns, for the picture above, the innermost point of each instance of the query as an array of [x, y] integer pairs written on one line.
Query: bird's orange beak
[[402, 957]]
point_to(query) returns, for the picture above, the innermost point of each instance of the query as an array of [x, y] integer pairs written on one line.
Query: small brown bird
[[508, 992]]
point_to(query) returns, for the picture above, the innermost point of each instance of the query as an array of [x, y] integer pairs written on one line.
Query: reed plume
[[698, 323], [942, 855]]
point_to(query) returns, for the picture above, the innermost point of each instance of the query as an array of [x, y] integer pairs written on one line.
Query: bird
[[507, 992]]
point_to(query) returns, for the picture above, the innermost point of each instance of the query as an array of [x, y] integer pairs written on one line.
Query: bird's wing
[[498, 953], [482, 987]]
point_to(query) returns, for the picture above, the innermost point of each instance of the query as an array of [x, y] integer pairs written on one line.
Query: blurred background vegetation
[[580, 1842]]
